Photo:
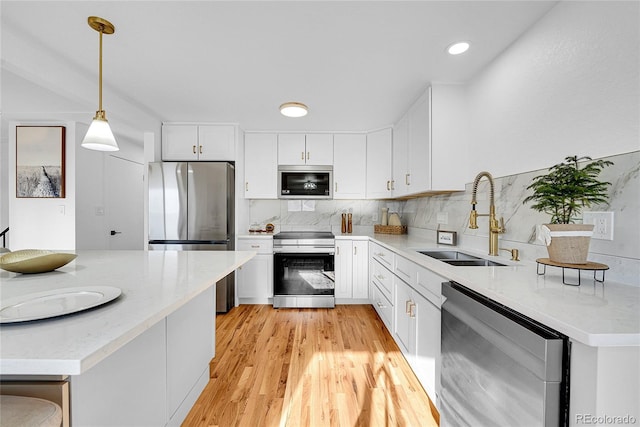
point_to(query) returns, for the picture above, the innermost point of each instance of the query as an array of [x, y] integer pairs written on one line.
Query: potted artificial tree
[[562, 193]]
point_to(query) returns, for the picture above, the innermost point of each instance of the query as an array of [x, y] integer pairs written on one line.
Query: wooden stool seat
[[20, 411]]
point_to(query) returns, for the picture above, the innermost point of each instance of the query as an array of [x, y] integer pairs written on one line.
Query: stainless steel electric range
[[303, 269]]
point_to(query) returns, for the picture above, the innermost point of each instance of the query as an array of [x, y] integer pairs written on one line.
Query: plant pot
[[568, 243]]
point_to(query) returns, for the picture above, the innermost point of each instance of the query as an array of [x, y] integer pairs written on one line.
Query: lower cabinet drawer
[[383, 278], [385, 256], [261, 246], [383, 306]]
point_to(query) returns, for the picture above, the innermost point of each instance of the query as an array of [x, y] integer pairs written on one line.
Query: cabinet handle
[[200, 149], [388, 185], [380, 277], [406, 179], [355, 250], [381, 305], [338, 250], [336, 190], [302, 155], [407, 306], [246, 186], [412, 314], [194, 149], [308, 155], [255, 246], [393, 185]]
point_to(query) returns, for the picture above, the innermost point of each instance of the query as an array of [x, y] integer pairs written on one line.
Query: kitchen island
[[137, 360]]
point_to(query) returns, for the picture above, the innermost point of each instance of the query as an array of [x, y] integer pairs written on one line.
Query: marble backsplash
[[422, 216]]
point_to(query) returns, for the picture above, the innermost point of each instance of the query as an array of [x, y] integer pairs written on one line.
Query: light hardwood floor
[[308, 367]]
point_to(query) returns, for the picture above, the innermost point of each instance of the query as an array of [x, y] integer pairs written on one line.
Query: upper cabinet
[[305, 149], [349, 166], [412, 162], [430, 143], [260, 166], [450, 137], [400, 162], [379, 172], [207, 142]]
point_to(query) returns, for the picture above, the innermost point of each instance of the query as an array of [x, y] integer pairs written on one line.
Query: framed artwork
[[40, 161]]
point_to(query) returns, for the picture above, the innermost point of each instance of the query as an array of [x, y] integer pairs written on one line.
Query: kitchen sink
[[473, 262], [450, 255], [461, 259]]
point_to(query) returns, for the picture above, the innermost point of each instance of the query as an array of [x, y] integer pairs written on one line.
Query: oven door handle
[[297, 250]]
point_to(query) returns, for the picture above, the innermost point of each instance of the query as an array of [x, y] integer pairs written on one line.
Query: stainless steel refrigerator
[[191, 207]]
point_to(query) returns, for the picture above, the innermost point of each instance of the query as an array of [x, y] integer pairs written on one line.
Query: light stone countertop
[[154, 284], [595, 314]]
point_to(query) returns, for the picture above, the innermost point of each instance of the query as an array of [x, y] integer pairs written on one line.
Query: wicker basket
[[569, 249], [390, 229]]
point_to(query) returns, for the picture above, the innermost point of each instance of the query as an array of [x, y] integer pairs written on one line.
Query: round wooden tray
[[590, 266]]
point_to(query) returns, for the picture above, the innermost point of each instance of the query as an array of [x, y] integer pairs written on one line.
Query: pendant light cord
[[100, 72]]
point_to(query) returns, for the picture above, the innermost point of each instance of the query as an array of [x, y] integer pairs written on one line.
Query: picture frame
[[40, 162]]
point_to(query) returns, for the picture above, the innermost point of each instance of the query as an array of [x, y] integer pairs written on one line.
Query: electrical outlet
[[374, 217], [603, 224], [442, 218]]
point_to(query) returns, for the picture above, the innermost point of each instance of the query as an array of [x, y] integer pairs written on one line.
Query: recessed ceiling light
[[458, 48], [293, 109]]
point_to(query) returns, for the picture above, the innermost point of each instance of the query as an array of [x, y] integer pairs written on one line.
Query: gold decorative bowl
[[34, 261]]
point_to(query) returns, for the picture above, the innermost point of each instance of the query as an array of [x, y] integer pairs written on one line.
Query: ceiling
[[358, 65]]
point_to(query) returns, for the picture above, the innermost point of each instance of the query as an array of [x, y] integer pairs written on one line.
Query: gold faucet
[[495, 228]]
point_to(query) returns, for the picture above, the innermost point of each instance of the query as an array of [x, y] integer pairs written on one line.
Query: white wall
[[4, 180], [43, 223], [568, 86]]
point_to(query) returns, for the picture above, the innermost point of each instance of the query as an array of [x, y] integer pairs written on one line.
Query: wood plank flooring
[[309, 367]]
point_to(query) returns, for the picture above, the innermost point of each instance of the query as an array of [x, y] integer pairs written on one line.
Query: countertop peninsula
[[154, 284], [595, 314]]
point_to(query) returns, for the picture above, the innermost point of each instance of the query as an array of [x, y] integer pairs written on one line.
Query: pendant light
[[99, 136]]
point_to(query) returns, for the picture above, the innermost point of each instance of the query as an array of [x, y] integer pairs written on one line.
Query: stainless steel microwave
[[305, 182]]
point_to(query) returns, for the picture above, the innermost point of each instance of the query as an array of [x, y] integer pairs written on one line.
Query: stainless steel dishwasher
[[499, 368]]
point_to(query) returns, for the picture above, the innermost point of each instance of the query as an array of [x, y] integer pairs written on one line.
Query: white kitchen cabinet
[[360, 269], [417, 332], [254, 280], [381, 283], [260, 166], [189, 354], [449, 138], [428, 323], [352, 269], [382, 305], [430, 143], [379, 164], [154, 379], [412, 168], [405, 325], [414, 294], [305, 149], [204, 142], [137, 369], [349, 166], [400, 157]]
